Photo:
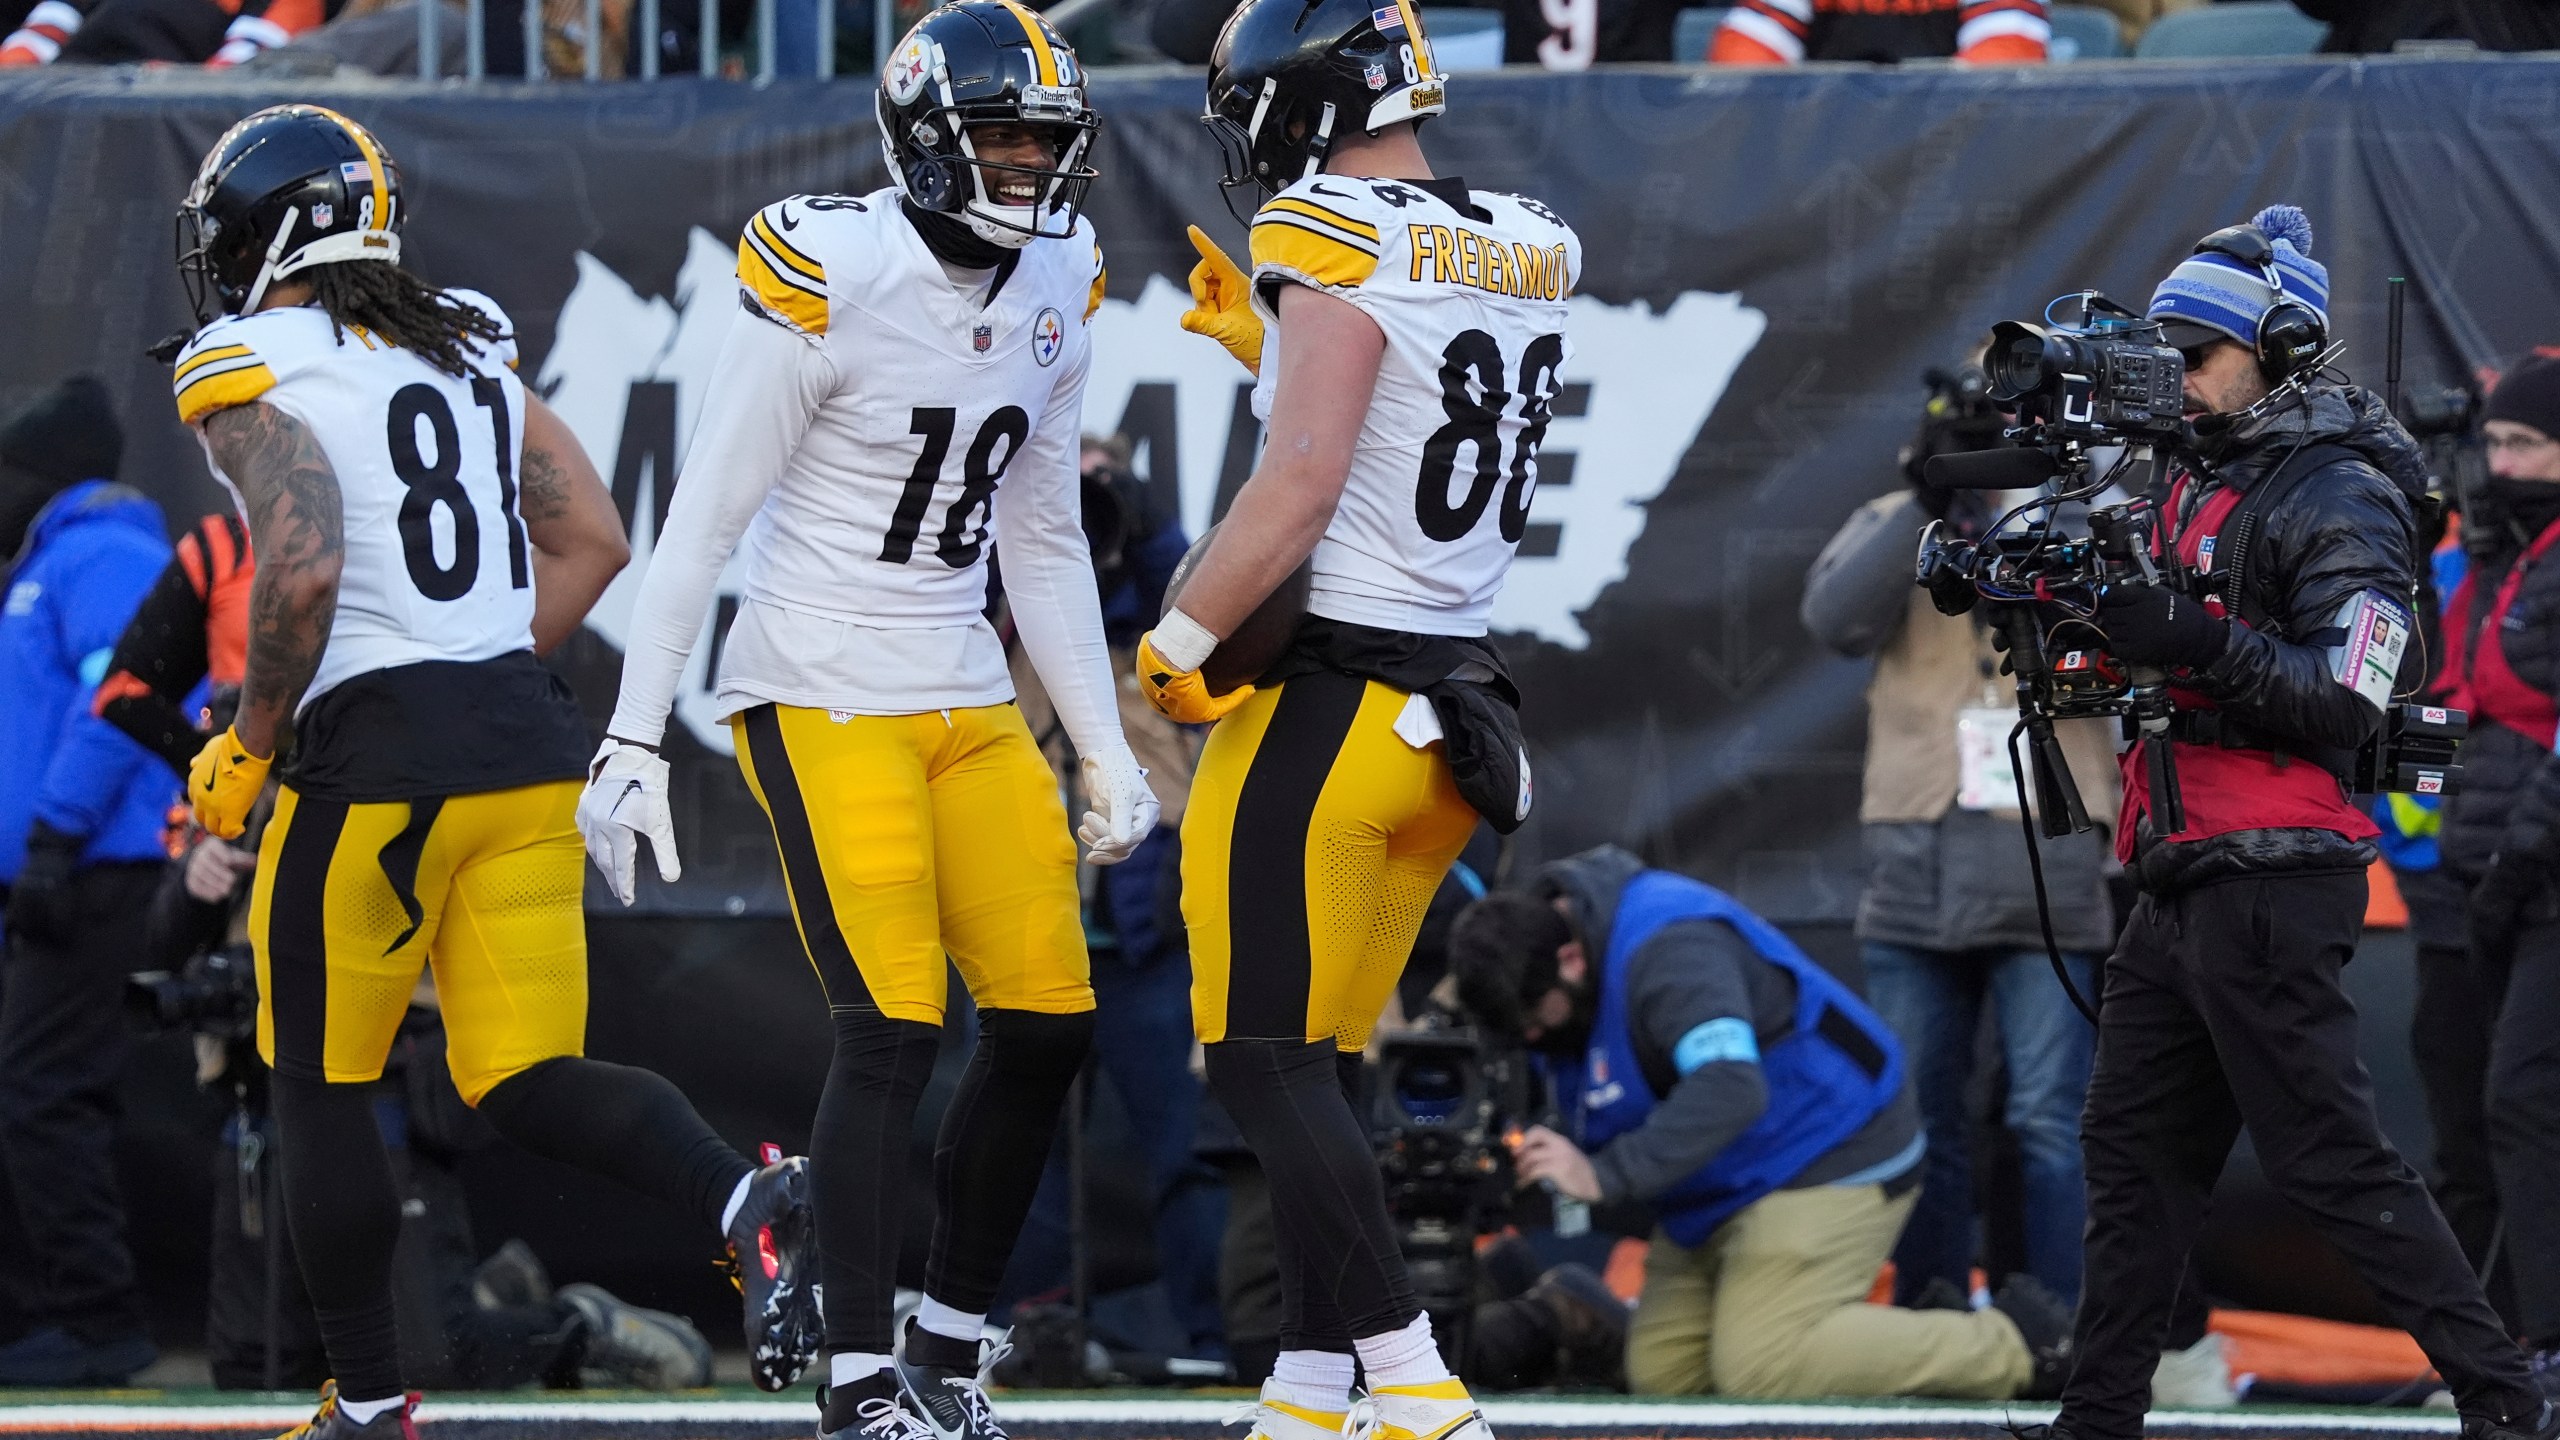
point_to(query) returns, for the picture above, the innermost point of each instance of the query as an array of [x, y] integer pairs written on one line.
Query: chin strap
[[267, 267]]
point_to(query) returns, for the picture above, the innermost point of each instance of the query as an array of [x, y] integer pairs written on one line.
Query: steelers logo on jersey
[[1048, 336]]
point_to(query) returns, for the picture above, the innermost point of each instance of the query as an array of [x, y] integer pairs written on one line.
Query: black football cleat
[[773, 1259], [331, 1423], [875, 1417], [946, 1381]]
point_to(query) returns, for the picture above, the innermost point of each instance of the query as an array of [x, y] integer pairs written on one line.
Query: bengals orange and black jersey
[[193, 626]]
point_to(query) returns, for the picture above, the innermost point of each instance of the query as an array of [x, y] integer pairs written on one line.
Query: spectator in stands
[[1707, 1068], [1789, 32], [1949, 918], [82, 815], [2501, 833], [1576, 34], [215, 33], [2373, 27]]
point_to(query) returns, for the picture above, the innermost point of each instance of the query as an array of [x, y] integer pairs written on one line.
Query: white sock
[[363, 1411], [1314, 1380], [951, 1324], [1402, 1357], [737, 1198], [846, 1367]]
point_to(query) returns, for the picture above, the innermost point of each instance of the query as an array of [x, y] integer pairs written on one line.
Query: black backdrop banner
[[1772, 260]]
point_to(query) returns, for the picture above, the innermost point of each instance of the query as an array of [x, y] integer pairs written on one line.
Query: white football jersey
[[437, 565], [882, 516], [878, 420], [1473, 305]]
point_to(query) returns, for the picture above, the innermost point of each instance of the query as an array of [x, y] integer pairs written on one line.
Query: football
[[1265, 634]]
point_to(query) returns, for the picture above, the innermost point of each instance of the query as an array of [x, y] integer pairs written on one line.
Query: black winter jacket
[[2347, 527], [2510, 798]]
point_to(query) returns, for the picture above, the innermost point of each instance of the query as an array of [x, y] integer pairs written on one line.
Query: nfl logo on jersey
[[982, 338], [1048, 336]]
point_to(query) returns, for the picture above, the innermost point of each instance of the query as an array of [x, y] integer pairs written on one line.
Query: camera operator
[[2222, 1002], [1949, 917], [1711, 1071], [2501, 834]]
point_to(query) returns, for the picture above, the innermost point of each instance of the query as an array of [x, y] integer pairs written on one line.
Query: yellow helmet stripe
[[1040, 51], [373, 162], [1421, 44]]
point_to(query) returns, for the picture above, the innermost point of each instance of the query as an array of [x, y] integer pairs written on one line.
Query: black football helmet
[[980, 62], [290, 187], [1288, 75]]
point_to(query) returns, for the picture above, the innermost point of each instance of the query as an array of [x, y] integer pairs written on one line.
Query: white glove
[[626, 798], [1120, 808]]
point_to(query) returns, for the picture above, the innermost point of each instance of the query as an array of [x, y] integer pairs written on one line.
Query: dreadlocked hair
[[390, 302]]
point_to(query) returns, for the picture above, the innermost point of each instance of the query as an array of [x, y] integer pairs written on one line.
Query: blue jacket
[[90, 557], [1835, 1071]]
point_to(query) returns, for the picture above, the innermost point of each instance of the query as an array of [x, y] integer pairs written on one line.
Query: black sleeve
[[159, 658], [2343, 530], [1688, 977], [1860, 586]]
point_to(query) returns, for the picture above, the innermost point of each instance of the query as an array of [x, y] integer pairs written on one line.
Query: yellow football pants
[[1314, 842], [904, 837], [351, 899]]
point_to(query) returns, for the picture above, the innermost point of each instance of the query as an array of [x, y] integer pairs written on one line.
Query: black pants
[[2450, 1029], [62, 1053], [2523, 1122], [2223, 1008]]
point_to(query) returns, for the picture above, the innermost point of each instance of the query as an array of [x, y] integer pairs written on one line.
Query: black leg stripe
[[298, 937], [799, 845], [1270, 964]]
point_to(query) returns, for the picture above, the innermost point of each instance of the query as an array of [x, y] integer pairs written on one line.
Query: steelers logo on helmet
[[983, 116], [1288, 76], [290, 187]]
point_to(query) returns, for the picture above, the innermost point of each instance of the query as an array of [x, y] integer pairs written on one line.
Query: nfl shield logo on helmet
[[1048, 336], [982, 338], [1375, 72], [322, 214]]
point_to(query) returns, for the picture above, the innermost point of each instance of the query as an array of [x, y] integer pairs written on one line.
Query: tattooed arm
[[298, 532], [578, 542]]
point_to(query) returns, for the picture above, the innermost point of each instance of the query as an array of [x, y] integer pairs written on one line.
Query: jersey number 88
[[1477, 423]]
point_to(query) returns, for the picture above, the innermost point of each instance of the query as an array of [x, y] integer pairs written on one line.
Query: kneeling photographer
[[1711, 1071], [2291, 517]]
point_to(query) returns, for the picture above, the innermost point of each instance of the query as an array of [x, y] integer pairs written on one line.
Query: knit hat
[[65, 435], [2217, 294], [2529, 395]]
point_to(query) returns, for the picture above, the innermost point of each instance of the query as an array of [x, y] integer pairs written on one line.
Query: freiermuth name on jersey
[[1469, 288]]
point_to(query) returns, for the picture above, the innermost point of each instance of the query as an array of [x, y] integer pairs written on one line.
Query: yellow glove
[[1222, 304], [224, 781], [1182, 694]]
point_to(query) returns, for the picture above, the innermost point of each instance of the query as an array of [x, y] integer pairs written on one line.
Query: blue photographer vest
[[1834, 1071]]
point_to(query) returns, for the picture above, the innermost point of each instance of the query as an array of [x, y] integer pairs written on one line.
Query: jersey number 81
[[1478, 423]]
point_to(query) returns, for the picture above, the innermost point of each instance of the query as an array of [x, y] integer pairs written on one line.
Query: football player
[[424, 525], [1406, 333], [900, 394]]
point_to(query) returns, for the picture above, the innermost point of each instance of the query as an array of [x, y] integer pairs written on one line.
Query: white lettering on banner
[[627, 373]]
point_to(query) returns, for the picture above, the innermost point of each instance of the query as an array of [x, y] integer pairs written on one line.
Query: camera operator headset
[[2222, 1004]]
